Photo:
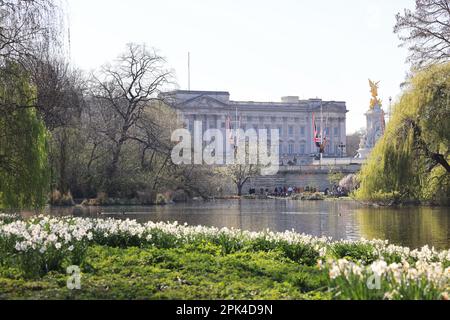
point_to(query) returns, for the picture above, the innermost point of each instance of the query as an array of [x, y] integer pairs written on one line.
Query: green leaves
[[408, 162], [24, 177]]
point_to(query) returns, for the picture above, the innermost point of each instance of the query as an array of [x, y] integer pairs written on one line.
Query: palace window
[[302, 131], [291, 149], [336, 132], [337, 150], [291, 131], [302, 149]]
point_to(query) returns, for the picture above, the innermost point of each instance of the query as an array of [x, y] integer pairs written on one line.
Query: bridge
[[314, 175]]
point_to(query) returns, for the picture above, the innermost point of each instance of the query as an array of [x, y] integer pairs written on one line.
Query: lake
[[413, 227]]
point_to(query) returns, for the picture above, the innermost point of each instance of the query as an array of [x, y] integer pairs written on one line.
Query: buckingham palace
[[291, 116]]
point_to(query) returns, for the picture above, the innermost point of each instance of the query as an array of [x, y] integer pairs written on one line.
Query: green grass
[[122, 260], [187, 272]]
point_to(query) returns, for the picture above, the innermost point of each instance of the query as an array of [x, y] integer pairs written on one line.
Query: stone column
[[343, 134], [311, 147]]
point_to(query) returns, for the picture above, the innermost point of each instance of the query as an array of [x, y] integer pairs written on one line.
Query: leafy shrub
[[303, 254], [262, 244], [354, 252], [163, 239], [310, 278], [227, 243]]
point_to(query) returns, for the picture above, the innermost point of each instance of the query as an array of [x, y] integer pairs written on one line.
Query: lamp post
[[342, 147], [390, 109]]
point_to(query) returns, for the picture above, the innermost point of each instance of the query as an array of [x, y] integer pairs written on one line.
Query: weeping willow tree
[[23, 143], [411, 161]]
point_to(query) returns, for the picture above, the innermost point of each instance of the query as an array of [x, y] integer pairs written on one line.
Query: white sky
[[257, 50]]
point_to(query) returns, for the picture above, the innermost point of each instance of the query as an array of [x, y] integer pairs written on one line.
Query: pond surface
[[413, 227]]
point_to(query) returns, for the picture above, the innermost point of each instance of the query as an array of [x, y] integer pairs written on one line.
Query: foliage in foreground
[[128, 260], [187, 272], [411, 161]]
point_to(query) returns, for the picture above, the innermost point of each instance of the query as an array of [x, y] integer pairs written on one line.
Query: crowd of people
[[286, 192], [282, 192], [336, 191]]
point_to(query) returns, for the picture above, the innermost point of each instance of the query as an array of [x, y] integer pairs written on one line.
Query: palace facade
[[291, 116]]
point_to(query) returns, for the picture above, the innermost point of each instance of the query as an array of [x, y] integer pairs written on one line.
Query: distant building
[[292, 117]]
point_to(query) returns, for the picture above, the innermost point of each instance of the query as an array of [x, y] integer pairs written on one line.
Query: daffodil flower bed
[[354, 270]]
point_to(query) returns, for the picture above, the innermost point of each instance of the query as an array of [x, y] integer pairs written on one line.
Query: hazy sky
[[257, 50]]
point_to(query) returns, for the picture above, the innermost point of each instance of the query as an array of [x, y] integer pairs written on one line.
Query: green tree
[[411, 161], [23, 143]]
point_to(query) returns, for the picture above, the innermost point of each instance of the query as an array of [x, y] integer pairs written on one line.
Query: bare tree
[[60, 91], [30, 33], [121, 95], [353, 143], [26, 25], [426, 32], [239, 174]]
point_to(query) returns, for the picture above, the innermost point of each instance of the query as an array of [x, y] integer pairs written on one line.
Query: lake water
[[413, 227]]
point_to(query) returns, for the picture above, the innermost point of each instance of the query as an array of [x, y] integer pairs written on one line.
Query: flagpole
[[237, 132], [321, 130], [189, 71]]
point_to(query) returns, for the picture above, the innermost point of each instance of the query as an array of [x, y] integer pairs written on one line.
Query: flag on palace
[[229, 128], [317, 139]]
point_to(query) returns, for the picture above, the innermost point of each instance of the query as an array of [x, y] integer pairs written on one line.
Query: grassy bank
[[128, 260], [188, 272]]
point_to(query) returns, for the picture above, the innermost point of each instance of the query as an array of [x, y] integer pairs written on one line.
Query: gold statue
[[374, 90]]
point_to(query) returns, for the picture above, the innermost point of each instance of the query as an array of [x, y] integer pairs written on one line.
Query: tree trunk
[[239, 187], [62, 185], [112, 169], [438, 159]]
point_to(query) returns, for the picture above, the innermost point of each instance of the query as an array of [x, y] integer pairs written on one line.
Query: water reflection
[[412, 227]]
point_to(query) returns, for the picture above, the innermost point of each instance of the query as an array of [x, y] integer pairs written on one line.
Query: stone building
[[291, 116]]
